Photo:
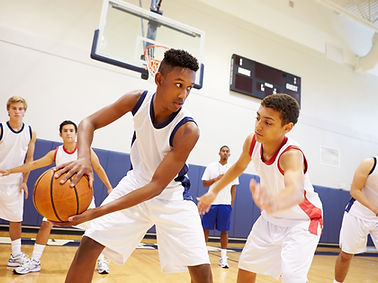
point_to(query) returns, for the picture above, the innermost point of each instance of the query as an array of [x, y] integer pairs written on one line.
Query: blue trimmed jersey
[[150, 144]]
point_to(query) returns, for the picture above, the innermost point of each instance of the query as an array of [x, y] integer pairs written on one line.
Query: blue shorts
[[218, 217]]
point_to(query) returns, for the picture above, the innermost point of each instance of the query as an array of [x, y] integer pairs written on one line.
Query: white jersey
[[13, 148], [214, 170], [150, 144], [272, 179], [62, 155], [370, 189]]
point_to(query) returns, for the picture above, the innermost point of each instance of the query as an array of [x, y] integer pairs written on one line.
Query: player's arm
[[233, 193], [46, 160], [208, 183], [108, 114], [204, 202], [291, 162], [359, 179], [185, 139], [100, 171], [28, 158]]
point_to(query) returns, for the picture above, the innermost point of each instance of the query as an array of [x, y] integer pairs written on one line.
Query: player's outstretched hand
[[4, 172], [261, 198], [79, 168], [87, 215], [205, 201]]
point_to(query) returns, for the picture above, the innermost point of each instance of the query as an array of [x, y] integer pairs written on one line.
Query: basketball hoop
[[153, 55]]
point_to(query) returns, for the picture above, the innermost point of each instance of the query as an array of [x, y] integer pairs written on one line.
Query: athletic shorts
[[279, 251], [354, 234], [11, 202], [180, 236], [218, 217]]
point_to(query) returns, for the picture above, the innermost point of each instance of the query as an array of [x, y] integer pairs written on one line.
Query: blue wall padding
[[244, 212]]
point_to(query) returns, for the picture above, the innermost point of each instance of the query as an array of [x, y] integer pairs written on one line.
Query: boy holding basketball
[[284, 238], [17, 141], [155, 191], [62, 154]]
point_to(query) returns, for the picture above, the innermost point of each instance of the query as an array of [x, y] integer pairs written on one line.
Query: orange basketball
[[57, 202]]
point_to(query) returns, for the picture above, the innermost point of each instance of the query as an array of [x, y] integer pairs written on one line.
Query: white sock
[[100, 257], [37, 251], [16, 247], [334, 281], [223, 253]]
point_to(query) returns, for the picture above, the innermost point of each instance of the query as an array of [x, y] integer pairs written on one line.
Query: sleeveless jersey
[[62, 155], [370, 189], [150, 144], [13, 149], [272, 179]]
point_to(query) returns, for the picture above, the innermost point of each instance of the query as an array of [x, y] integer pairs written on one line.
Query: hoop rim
[[152, 63]]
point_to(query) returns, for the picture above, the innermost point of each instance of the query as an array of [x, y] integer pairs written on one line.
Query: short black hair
[[177, 58], [67, 122], [285, 104], [223, 147]]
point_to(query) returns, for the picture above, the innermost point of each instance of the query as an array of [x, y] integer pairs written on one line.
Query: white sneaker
[[102, 266], [18, 260], [31, 265], [223, 262]]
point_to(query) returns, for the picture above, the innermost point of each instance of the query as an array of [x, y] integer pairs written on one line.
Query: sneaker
[[18, 260], [223, 262], [31, 265], [102, 266]]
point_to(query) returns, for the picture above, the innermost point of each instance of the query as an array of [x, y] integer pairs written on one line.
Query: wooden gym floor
[[143, 265]]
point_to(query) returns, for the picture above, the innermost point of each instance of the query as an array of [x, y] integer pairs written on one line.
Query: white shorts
[[279, 251], [11, 202], [179, 231], [84, 225], [354, 233]]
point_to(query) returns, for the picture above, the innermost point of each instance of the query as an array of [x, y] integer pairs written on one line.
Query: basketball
[[57, 201]]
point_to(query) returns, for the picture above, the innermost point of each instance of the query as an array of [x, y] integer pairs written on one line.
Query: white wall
[[44, 57]]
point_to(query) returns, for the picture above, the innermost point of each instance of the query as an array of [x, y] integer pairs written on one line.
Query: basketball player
[[17, 141], [284, 238], [155, 191], [360, 216], [62, 154], [219, 215]]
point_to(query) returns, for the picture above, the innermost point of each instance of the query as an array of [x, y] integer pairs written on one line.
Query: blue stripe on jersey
[[165, 123], [185, 182], [371, 171], [139, 102], [30, 132], [132, 142], [349, 205], [179, 124], [2, 131], [10, 128]]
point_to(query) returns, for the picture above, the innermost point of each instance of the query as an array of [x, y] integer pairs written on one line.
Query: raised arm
[[46, 160], [204, 202], [108, 114], [100, 171], [359, 180]]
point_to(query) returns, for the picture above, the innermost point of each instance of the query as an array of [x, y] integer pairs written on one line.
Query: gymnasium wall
[[44, 56], [244, 213]]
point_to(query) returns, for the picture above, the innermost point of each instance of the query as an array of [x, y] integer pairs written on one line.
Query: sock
[[37, 251], [100, 257], [223, 253], [16, 247], [334, 281]]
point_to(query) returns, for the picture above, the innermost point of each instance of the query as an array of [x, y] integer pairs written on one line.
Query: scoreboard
[[258, 80]]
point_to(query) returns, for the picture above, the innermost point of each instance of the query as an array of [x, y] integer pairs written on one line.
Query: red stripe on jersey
[[293, 147], [273, 158], [66, 151], [56, 151], [253, 143], [314, 213]]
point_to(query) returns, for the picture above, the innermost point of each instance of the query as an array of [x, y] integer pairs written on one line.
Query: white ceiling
[[341, 29]]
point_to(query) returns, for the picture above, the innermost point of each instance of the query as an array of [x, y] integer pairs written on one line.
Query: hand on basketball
[[79, 168], [261, 198], [77, 219], [205, 201]]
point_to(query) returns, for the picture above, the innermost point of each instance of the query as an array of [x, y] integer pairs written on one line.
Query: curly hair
[[177, 58], [285, 104], [67, 122]]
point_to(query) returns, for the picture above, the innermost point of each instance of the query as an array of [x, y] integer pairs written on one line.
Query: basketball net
[[153, 55]]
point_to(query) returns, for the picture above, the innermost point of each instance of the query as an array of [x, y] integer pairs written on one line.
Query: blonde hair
[[16, 99]]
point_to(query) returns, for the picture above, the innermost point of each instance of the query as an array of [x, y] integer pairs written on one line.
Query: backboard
[[125, 30]]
